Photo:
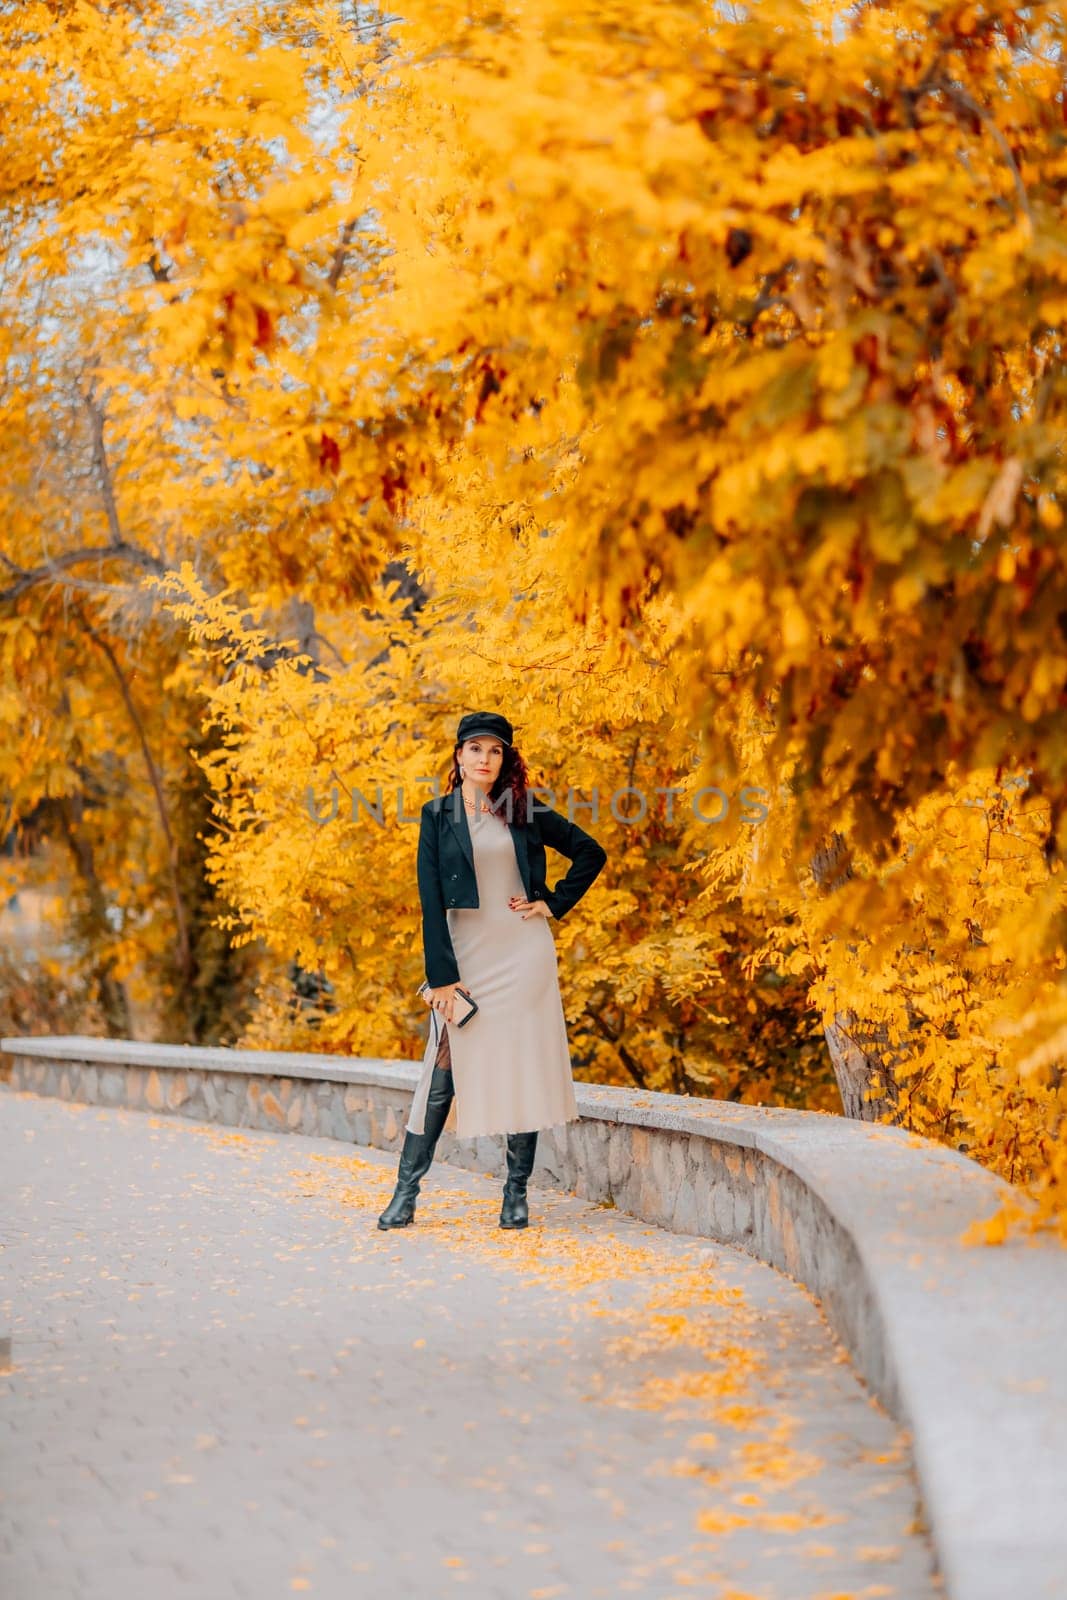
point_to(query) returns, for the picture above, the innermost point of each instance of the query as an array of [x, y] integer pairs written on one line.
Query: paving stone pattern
[[225, 1381]]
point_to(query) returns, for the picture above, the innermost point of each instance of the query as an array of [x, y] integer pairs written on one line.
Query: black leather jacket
[[446, 873]]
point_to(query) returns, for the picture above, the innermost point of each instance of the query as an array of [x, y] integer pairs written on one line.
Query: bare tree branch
[[30, 577], [613, 1035], [103, 471], [184, 951], [963, 100], [340, 255]]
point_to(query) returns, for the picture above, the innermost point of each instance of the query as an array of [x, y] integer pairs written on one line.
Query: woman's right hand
[[441, 1000]]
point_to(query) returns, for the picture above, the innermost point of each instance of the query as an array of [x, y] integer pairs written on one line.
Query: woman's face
[[481, 758]]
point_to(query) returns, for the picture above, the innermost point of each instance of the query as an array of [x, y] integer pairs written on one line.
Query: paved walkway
[[227, 1382]]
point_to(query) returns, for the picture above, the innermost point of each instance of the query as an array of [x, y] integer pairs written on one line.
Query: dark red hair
[[513, 775]]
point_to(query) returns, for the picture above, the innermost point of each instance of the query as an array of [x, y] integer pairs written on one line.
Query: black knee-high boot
[[521, 1149], [417, 1154]]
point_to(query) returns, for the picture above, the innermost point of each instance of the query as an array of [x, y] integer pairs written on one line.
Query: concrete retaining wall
[[964, 1345]]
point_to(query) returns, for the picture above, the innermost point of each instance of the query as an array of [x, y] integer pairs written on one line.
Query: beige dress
[[511, 1063]]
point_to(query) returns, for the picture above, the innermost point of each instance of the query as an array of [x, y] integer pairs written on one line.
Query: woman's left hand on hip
[[529, 908]]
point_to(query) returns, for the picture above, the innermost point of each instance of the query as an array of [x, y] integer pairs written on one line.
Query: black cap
[[476, 722]]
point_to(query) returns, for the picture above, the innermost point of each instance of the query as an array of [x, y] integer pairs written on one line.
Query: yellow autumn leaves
[[703, 373]]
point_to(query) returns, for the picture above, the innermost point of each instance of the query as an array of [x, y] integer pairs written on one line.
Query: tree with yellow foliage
[[702, 367], [771, 301]]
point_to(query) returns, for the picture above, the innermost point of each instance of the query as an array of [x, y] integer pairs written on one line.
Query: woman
[[485, 913]]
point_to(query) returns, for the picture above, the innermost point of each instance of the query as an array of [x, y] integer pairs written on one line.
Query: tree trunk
[[867, 1086], [112, 993]]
